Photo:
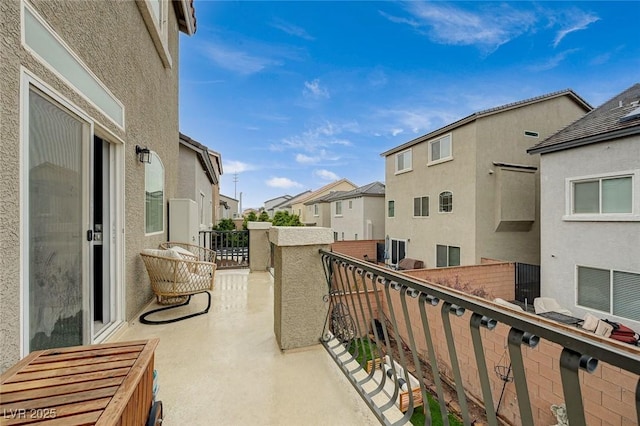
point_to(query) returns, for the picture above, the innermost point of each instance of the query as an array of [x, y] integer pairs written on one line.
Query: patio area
[[225, 367]]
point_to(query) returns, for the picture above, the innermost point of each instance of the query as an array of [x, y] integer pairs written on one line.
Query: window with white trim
[[316, 210], [403, 161], [447, 256], [440, 149], [421, 207], [338, 208], [446, 202], [154, 195], [610, 291], [601, 196], [391, 208], [155, 14], [350, 204]]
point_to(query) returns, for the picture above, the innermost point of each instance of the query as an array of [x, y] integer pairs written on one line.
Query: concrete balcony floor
[[225, 367]]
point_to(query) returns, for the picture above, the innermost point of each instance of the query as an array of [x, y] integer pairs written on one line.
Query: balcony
[[225, 367], [228, 367]]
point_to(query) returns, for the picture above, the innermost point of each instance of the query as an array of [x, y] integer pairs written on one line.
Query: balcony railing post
[[516, 339], [299, 284], [259, 246]]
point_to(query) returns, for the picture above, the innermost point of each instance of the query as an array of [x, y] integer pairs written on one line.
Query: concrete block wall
[[608, 393], [357, 248], [493, 279]]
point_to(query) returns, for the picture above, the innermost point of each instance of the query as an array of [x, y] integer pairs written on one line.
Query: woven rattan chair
[[176, 274]]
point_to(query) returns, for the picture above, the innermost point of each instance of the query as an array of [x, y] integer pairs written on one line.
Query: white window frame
[[316, 210], [448, 257], [396, 241], [440, 202], [158, 26], [389, 203], [155, 158], [407, 153], [338, 209], [611, 273], [634, 216], [421, 207], [439, 160]]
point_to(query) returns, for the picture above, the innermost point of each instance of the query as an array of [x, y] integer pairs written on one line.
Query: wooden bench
[[105, 384]]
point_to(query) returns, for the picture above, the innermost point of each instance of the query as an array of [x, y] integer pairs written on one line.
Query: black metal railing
[[384, 331], [527, 279], [231, 247]]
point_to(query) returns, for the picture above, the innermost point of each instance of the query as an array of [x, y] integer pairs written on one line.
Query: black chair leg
[[144, 320]]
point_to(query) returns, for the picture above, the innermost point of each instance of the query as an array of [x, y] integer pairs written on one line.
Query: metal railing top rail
[[621, 355]]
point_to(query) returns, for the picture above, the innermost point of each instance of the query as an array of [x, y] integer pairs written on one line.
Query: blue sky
[[295, 95]]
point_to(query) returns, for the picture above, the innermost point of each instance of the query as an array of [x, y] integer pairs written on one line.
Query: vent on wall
[[531, 134]]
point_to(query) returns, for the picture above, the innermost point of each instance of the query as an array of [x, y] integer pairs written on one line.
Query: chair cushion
[[183, 251], [590, 322]]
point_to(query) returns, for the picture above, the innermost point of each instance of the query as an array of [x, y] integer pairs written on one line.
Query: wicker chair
[[176, 273]]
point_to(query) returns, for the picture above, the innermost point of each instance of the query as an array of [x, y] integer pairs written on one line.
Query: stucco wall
[[501, 138], [112, 40], [566, 244], [458, 176]]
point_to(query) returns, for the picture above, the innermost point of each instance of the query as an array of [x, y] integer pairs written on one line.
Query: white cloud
[[282, 182], [231, 166], [396, 132], [552, 62], [239, 61], [487, 28], [326, 175], [319, 138], [314, 90], [291, 29], [305, 159], [576, 21]]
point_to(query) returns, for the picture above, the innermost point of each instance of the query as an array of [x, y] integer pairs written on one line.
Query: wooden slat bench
[[106, 384]]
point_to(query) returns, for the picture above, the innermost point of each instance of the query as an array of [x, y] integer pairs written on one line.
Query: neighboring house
[[359, 214], [287, 206], [270, 205], [216, 162], [319, 210], [469, 190], [590, 190], [89, 128], [298, 206], [229, 208], [197, 179]]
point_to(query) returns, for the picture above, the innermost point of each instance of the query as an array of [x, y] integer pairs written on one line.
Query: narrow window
[[391, 208], [339, 208], [154, 195]]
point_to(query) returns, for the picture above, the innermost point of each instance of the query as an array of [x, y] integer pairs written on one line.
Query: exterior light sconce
[[144, 154]]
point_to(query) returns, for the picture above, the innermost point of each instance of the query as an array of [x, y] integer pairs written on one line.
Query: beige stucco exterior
[[298, 205], [488, 156], [114, 43], [362, 218]]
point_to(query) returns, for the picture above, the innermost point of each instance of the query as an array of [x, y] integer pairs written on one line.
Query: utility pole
[[235, 182]]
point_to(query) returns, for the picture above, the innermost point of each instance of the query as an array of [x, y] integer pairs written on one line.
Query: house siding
[[112, 40], [565, 244]]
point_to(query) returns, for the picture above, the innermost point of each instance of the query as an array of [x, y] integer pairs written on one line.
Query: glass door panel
[[57, 300]]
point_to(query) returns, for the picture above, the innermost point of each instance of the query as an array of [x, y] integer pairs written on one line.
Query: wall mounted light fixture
[[144, 154]]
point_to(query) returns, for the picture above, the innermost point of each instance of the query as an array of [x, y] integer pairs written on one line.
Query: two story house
[[469, 190], [269, 205], [198, 178], [89, 129], [304, 210], [590, 193], [358, 214]]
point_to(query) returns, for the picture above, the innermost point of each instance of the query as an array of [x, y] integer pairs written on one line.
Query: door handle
[[90, 235]]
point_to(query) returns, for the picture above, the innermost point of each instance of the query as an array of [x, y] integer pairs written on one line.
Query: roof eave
[[187, 18], [574, 143]]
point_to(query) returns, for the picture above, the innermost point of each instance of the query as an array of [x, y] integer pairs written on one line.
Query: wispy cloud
[[245, 56], [552, 62], [313, 89], [318, 138], [231, 166], [487, 28], [291, 29], [326, 175], [416, 121], [282, 182], [574, 20]]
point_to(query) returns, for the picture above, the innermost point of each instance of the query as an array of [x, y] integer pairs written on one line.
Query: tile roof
[[186, 13], [203, 156], [603, 123], [374, 189], [490, 111]]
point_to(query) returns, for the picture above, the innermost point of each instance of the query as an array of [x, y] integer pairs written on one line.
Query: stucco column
[[299, 284], [259, 246]]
